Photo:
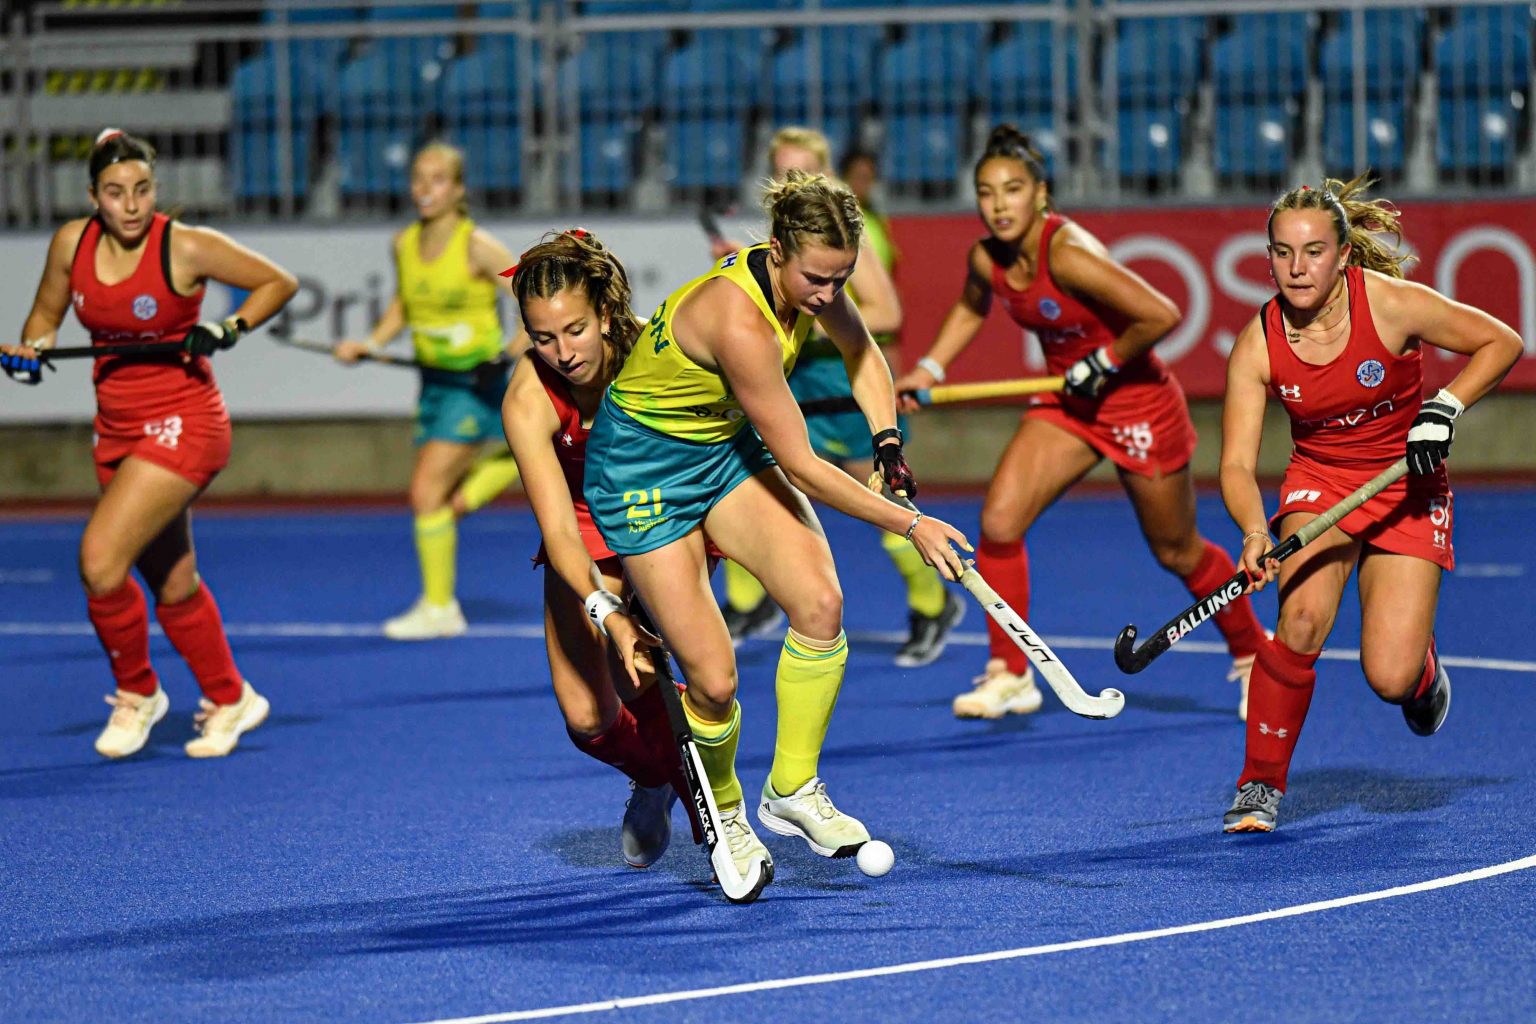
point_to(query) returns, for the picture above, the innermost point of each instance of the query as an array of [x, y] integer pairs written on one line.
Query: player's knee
[[102, 568], [1003, 524], [425, 500], [711, 693], [818, 611], [1303, 629], [1393, 677], [1179, 556]]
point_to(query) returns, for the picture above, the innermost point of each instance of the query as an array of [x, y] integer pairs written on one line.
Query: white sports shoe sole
[[253, 716], [165, 707]]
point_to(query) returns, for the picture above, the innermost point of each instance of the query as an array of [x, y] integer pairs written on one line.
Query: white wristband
[[1451, 400], [38, 344], [934, 369], [600, 605]]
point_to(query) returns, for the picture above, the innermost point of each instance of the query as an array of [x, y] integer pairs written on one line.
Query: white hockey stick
[[1107, 704]]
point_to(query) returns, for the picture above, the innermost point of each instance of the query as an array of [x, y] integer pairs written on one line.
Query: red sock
[[121, 619], [1005, 564], [650, 712], [196, 630], [622, 746], [1278, 697], [1237, 622], [1431, 666]]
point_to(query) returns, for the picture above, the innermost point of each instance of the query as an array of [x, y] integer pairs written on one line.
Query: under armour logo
[[566, 440], [1267, 731], [1290, 392]]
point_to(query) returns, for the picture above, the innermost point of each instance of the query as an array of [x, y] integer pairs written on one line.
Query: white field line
[[530, 631], [1122, 939]]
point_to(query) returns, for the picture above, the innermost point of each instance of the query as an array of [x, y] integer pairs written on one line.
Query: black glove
[[1429, 439], [891, 464], [1087, 377], [209, 336], [24, 370]]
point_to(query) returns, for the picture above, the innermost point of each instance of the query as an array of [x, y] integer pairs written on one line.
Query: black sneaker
[[929, 635], [1254, 809], [1427, 714], [759, 620]]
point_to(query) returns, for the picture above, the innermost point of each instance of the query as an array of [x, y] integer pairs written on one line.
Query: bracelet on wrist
[[600, 604], [913, 528], [934, 369], [1256, 533]]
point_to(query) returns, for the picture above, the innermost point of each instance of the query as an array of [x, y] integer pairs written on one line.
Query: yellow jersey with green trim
[[451, 312], [660, 387]]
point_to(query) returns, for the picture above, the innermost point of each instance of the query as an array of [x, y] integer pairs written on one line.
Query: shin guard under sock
[[1237, 622], [121, 620], [195, 628], [1279, 694], [1005, 564]]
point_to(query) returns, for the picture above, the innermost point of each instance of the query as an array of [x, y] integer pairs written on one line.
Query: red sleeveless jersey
[[142, 308], [570, 441], [1355, 410]]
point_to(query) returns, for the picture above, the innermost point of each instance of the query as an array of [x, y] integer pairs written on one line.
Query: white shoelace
[[124, 710]]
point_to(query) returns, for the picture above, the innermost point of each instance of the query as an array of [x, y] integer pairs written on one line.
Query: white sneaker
[[647, 828], [746, 849], [133, 715], [222, 724], [1240, 672], [423, 621], [810, 814], [999, 692]]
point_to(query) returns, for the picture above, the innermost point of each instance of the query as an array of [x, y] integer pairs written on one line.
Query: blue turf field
[[412, 838]]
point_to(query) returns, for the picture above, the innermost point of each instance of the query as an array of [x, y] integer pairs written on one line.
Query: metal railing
[[298, 108]]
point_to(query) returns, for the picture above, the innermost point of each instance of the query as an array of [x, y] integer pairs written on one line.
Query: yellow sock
[[716, 742], [487, 479], [810, 676], [437, 543], [925, 591], [742, 591]]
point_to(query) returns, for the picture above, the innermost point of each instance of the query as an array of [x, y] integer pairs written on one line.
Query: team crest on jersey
[[145, 307], [1371, 373], [1050, 309]]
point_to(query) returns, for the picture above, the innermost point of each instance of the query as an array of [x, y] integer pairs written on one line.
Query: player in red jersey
[[574, 297], [1097, 322], [162, 433], [1341, 346]]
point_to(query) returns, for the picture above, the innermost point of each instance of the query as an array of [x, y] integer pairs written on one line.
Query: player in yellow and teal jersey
[[840, 437], [446, 294], [699, 433]]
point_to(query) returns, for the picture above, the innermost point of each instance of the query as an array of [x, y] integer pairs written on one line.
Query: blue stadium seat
[[607, 156], [716, 73], [1476, 134], [922, 149], [1157, 60], [619, 73], [844, 73], [1019, 72], [707, 152], [493, 158], [1254, 140], [930, 69], [254, 101], [255, 162], [1149, 142], [1263, 58], [1393, 56], [374, 157], [482, 86], [1485, 53], [1386, 122]]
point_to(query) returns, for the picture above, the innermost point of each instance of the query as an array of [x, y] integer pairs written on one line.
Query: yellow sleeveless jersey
[[662, 388], [451, 313]]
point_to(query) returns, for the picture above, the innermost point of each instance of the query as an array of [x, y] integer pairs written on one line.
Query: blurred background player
[[700, 433], [1097, 322], [574, 298], [1341, 346], [446, 293], [162, 433], [840, 438]]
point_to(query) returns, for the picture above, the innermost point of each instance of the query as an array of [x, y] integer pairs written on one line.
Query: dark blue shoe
[[1426, 714]]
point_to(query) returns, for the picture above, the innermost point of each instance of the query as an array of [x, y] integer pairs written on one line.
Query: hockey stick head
[[736, 888], [1130, 660]]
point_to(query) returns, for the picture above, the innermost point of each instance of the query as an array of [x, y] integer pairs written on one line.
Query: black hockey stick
[[483, 375], [710, 224], [147, 348], [1134, 660], [736, 888]]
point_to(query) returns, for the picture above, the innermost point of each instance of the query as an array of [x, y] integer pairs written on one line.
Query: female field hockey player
[[1341, 346], [574, 298], [840, 438], [1097, 322], [162, 433], [447, 278], [673, 453]]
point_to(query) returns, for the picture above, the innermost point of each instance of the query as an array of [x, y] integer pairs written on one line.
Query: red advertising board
[[1211, 262]]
